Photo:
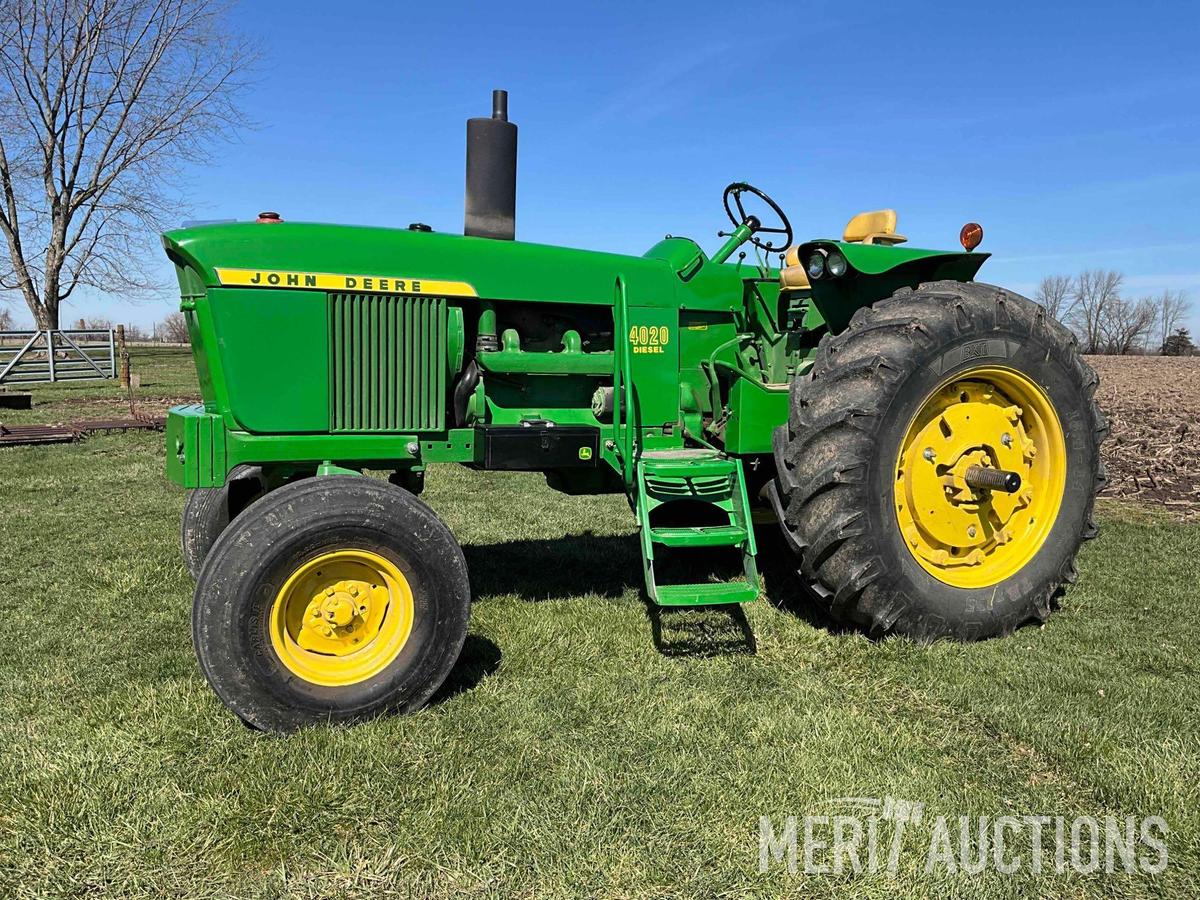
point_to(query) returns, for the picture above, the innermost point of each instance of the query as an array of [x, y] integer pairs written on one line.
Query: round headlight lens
[[816, 266], [836, 263]]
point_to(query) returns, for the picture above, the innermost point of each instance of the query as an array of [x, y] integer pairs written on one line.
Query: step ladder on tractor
[[655, 478]]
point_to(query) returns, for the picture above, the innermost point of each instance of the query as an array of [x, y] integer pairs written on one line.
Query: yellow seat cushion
[[875, 227], [793, 276]]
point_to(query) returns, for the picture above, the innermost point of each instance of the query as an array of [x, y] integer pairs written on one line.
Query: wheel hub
[[991, 419], [342, 617]]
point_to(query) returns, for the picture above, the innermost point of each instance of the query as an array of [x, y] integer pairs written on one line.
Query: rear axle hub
[[974, 497]]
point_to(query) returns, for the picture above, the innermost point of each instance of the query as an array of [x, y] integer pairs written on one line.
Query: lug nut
[[928, 454], [413, 448], [971, 531], [1006, 439]]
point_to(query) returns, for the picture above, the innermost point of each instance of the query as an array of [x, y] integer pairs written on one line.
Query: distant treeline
[[1094, 305]]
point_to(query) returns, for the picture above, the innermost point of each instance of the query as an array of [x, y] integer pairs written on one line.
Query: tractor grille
[[387, 363]]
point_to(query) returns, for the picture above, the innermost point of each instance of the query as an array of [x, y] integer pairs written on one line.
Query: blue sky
[[1071, 131]]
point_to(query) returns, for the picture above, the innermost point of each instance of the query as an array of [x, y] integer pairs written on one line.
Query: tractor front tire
[[208, 512], [900, 409], [331, 599]]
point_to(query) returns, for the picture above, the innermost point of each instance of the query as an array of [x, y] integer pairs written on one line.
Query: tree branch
[[97, 99]]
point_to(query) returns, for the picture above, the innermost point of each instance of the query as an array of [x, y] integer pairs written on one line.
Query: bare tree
[[6, 319], [1095, 290], [173, 329], [1055, 292], [1171, 307], [95, 323], [1125, 324], [99, 100]]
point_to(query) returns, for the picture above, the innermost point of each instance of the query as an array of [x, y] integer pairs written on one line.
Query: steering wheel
[[735, 191]]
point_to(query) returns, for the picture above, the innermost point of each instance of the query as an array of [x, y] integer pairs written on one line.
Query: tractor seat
[[877, 227], [793, 277]]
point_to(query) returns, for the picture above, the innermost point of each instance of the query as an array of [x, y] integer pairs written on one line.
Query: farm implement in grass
[[927, 444], [73, 431]]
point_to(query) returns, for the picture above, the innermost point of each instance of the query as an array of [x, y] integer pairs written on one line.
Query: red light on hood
[[971, 235]]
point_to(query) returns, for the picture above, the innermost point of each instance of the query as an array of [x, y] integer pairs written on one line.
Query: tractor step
[[704, 476], [699, 536], [693, 465], [706, 594]]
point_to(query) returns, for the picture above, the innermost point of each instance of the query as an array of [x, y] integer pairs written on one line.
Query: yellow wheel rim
[[341, 618], [992, 417]]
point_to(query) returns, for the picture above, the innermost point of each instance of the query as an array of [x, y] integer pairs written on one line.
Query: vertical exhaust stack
[[491, 208]]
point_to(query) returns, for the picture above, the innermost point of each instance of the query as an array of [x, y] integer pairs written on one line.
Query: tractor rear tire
[[889, 402], [208, 512], [331, 599]]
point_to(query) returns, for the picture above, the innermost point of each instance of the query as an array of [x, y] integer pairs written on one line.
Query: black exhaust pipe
[[492, 174]]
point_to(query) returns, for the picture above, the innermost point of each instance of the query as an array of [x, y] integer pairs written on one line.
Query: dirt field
[[1153, 406]]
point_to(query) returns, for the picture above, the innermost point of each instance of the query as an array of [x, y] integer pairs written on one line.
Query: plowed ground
[[1153, 407]]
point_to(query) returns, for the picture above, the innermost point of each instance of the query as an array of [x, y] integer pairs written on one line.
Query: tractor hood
[[303, 255]]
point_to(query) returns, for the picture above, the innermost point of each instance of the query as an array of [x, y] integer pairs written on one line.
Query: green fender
[[876, 271]]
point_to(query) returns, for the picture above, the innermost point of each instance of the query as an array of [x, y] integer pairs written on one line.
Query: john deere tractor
[[927, 444]]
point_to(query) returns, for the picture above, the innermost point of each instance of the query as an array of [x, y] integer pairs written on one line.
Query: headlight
[[836, 263], [816, 266]]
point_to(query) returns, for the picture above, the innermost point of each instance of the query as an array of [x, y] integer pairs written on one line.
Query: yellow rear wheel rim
[[342, 617], [989, 416]]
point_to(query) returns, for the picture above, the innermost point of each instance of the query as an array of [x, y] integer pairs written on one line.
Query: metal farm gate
[[29, 357]]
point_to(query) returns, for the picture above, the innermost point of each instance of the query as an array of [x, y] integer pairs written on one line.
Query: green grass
[[585, 746], [166, 373]]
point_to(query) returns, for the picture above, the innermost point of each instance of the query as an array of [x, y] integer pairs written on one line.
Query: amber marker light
[[971, 235]]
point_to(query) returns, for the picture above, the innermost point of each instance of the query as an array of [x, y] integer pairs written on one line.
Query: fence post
[[124, 351], [112, 353], [50, 352]]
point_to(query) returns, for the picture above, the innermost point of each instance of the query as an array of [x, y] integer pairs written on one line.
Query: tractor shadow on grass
[[556, 569], [700, 631], [480, 657], [610, 566], [785, 591]]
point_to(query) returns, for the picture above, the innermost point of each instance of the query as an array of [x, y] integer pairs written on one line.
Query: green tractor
[[928, 445]]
